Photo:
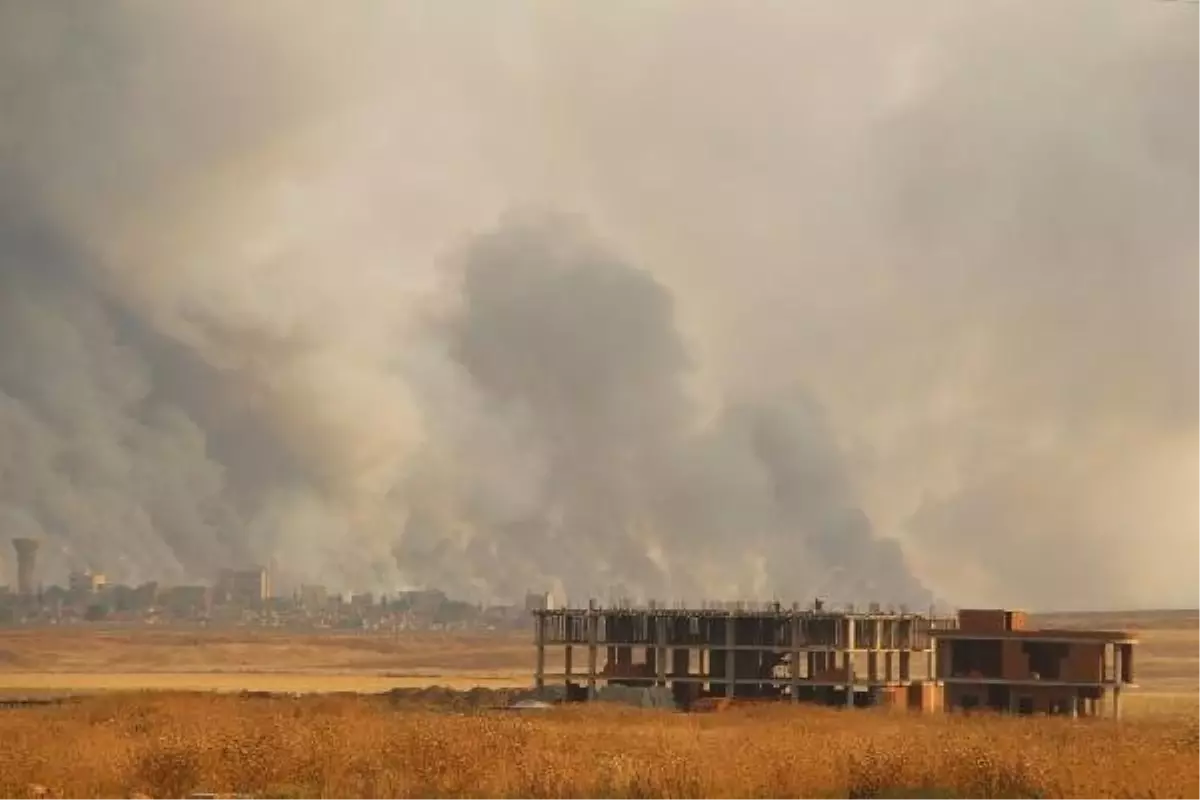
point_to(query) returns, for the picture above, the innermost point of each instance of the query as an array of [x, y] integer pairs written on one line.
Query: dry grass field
[[164, 745], [96, 648], [87, 659], [169, 743]]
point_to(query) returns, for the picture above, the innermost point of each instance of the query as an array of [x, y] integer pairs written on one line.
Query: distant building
[[421, 602], [539, 601], [85, 582], [27, 550], [245, 587], [313, 597], [145, 595], [187, 601]]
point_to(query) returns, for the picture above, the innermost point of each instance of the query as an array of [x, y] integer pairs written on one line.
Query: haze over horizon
[[691, 300]]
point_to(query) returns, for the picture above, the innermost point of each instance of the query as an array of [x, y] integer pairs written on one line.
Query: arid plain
[[93, 658], [200, 734]]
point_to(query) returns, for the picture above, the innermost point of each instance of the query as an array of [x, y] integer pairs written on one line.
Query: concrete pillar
[[850, 680], [592, 626], [539, 636], [794, 623], [1116, 691], [943, 661], [730, 662], [850, 644], [660, 641]]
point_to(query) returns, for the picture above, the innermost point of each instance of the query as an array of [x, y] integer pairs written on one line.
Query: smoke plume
[[696, 300]]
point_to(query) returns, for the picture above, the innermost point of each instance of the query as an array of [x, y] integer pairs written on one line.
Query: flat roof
[[823, 614], [1042, 634]]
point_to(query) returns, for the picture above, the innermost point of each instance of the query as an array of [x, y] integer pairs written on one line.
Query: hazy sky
[[691, 298]]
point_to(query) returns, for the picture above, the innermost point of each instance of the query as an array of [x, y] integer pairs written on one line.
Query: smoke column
[[692, 300]]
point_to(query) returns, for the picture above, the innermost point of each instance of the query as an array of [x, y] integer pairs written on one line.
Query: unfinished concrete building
[[833, 657], [993, 661]]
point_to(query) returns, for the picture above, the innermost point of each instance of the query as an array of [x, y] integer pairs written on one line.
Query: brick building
[[992, 661]]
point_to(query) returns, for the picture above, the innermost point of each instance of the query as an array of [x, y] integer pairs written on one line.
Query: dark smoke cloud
[[91, 461], [622, 484], [872, 299]]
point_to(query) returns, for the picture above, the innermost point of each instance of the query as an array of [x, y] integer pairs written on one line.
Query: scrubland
[[172, 744], [169, 745]]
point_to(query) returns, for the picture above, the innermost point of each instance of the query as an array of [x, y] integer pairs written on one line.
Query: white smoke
[[931, 266]]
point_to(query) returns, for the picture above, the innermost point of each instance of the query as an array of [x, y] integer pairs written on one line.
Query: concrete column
[[539, 636], [849, 680], [1116, 689], [660, 659], [795, 673], [876, 645], [593, 632], [850, 645], [943, 661], [730, 661]]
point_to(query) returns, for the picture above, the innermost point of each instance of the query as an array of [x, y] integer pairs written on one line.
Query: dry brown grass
[[172, 745], [100, 649]]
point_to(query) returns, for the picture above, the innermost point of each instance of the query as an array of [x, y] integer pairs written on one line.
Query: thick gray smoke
[[861, 300], [589, 464]]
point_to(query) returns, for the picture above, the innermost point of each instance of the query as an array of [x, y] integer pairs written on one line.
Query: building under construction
[[769, 652], [979, 658], [992, 660]]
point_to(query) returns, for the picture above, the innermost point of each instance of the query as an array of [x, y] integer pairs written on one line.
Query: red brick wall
[[982, 620], [925, 697], [1084, 662], [1014, 662]]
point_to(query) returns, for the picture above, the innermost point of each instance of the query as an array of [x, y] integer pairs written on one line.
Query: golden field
[[164, 745], [88, 659], [170, 743]]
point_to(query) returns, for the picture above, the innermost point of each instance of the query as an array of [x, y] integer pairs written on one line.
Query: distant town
[[241, 597]]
